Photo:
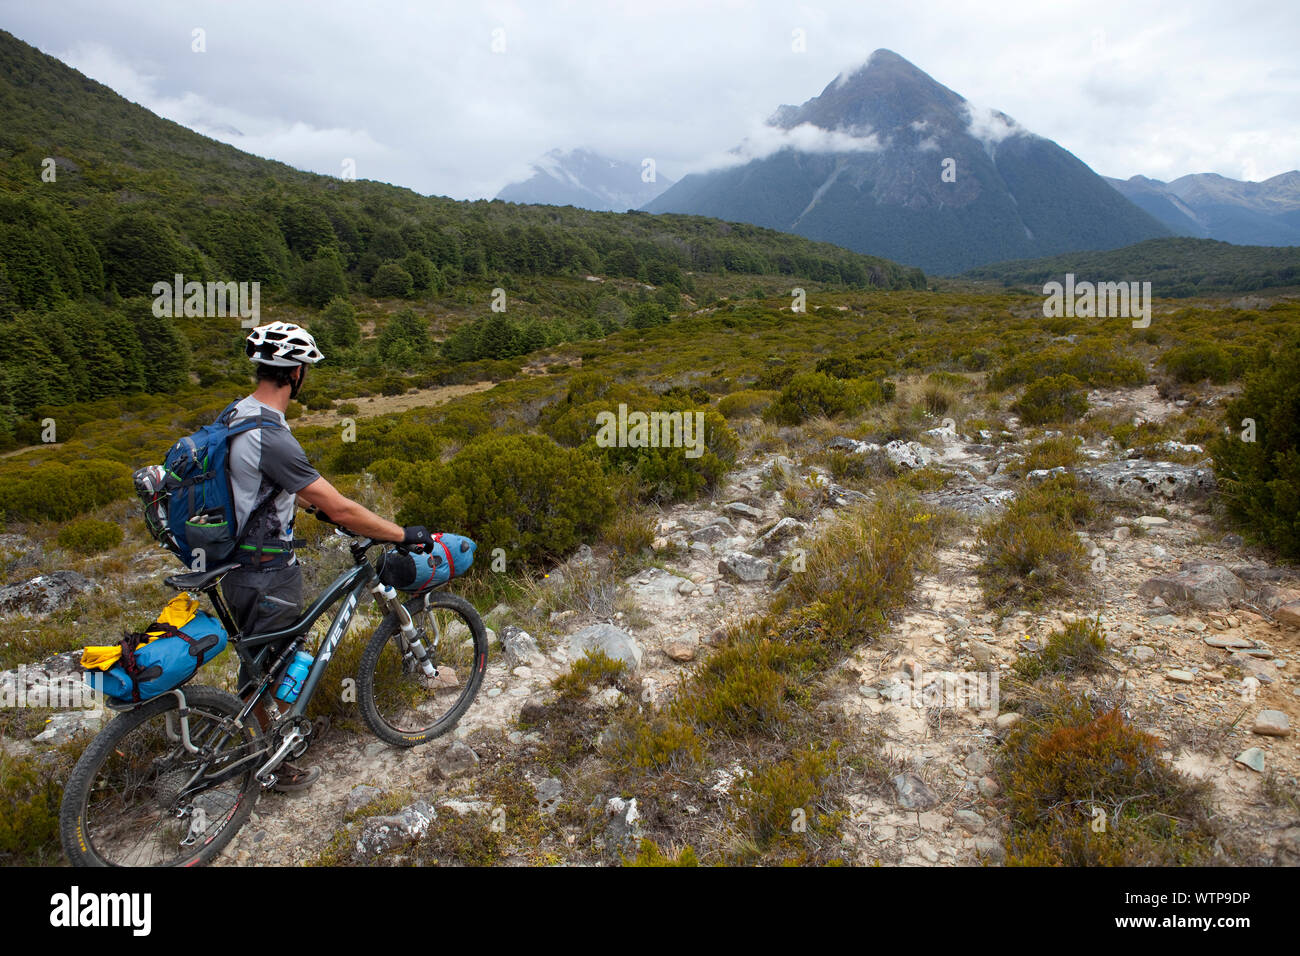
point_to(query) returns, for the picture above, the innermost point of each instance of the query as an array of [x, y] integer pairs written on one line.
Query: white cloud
[[300, 144], [990, 126], [413, 91]]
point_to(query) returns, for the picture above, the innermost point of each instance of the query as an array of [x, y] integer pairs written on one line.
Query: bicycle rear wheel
[[129, 800], [402, 705]]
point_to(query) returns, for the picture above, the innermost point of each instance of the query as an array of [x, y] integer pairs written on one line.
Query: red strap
[[450, 560]]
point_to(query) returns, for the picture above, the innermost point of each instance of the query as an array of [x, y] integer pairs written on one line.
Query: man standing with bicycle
[[269, 471]]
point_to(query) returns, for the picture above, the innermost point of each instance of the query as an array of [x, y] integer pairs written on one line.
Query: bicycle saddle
[[198, 580]]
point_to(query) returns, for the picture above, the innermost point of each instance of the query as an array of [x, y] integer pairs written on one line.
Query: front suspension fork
[[388, 597]]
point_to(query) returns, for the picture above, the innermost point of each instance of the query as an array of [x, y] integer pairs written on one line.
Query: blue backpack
[[191, 510]]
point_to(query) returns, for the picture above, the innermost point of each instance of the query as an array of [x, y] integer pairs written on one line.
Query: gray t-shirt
[[260, 460]]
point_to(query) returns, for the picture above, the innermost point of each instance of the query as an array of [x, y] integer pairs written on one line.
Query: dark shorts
[[263, 601]]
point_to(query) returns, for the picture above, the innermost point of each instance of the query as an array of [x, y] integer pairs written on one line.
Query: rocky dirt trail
[[673, 610], [1204, 643]]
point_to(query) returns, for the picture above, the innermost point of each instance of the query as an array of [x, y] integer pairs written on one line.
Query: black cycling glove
[[416, 537]]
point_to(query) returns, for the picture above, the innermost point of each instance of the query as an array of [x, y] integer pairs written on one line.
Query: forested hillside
[[100, 199], [1176, 268]]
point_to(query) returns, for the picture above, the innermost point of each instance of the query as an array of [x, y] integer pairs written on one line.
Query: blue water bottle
[[292, 681]]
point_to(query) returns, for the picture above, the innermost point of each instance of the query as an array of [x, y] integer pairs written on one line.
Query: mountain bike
[[169, 781]]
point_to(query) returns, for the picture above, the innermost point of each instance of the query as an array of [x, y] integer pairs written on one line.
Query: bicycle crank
[[291, 743]]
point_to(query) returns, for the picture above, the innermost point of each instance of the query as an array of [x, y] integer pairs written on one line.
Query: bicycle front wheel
[[139, 797], [400, 703]]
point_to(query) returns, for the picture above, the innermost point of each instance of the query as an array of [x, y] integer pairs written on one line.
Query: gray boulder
[[714, 531], [908, 454], [784, 529], [520, 648], [43, 593], [1202, 585], [744, 567], [359, 796], [457, 760], [623, 826], [1153, 479], [913, 793], [381, 834], [62, 727], [741, 510], [613, 641]]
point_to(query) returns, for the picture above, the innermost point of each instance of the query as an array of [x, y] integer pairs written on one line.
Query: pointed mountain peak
[[886, 92]]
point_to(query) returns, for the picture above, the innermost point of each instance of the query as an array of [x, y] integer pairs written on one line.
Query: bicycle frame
[[349, 586]]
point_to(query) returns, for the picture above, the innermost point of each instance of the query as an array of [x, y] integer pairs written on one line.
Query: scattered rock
[[1161, 479], [43, 593], [969, 820], [607, 698], [972, 499], [742, 510], [1252, 758], [1229, 643], [976, 762], [61, 728], [910, 454], [1288, 614], [1008, 720], [533, 710], [1180, 676], [549, 791], [782, 530], [456, 761], [359, 796], [715, 531], [913, 793], [623, 829], [1272, 723], [613, 641], [744, 567], [992, 850], [1204, 585], [520, 648], [381, 834], [683, 647]]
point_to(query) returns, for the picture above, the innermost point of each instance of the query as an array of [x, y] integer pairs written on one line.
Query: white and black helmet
[[282, 344]]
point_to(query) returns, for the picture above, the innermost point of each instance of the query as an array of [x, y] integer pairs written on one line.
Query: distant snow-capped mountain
[[582, 178]]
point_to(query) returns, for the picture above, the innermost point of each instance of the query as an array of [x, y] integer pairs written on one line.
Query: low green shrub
[[747, 403], [1077, 648], [524, 493], [58, 491], [89, 536], [816, 393], [1257, 459], [1059, 398]]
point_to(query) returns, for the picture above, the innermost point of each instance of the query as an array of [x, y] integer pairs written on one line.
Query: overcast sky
[[456, 98]]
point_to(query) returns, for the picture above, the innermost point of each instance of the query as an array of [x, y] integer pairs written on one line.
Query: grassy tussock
[[1031, 553]]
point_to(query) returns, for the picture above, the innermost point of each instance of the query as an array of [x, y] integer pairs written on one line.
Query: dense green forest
[[100, 199], [1176, 268]]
